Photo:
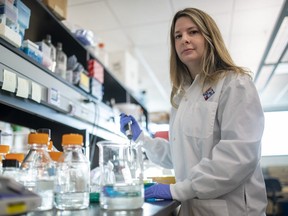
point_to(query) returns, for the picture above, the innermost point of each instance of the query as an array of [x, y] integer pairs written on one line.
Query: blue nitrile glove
[[158, 191], [124, 120]]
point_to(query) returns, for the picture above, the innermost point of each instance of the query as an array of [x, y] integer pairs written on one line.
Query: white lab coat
[[215, 149]]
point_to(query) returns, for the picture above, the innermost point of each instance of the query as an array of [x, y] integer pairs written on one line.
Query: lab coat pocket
[[199, 119], [210, 207]]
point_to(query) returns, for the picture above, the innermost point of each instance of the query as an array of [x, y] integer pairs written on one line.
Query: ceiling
[[141, 27]]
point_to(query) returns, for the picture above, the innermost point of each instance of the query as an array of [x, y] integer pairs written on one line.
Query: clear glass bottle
[[37, 170], [4, 149], [55, 155], [72, 185], [11, 169], [61, 61], [48, 41], [50, 143], [19, 157], [121, 176]]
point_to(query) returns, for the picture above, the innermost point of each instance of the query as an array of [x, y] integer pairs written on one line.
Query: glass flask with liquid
[[121, 180]]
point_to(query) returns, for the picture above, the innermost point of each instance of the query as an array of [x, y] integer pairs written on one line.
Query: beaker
[[121, 180]]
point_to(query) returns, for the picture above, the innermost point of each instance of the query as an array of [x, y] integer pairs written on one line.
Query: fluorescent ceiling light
[[279, 43], [263, 77], [281, 68], [285, 57]]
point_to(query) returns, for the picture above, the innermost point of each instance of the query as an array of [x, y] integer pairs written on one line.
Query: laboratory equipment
[[11, 168], [37, 170], [129, 126], [61, 61], [121, 175], [52, 56], [72, 185]]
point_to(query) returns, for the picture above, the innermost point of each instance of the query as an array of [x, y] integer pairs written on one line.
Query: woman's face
[[189, 42]]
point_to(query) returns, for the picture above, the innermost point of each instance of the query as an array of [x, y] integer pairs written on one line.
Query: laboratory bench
[[160, 208]]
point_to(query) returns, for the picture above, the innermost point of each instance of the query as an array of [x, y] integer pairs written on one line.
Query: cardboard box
[[58, 7]]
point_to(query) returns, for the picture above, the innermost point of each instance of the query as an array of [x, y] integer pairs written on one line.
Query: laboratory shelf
[[59, 105]]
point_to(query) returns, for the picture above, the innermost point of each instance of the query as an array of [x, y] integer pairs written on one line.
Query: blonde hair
[[216, 60]]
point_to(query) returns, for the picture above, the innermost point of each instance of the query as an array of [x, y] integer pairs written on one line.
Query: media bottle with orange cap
[[72, 183], [4, 149], [11, 165], [38, 170], [11, 169], [16, 156]]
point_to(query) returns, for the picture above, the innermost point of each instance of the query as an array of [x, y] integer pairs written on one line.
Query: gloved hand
[[158, 191], [124, 120]]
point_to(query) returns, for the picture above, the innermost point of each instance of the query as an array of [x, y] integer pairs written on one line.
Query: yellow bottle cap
[[55, 155], [72, 139], [4, 148], [38, 138], [15, 156]]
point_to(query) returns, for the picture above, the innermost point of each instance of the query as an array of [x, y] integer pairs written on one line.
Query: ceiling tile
[[256, 4], [247, 50], [256, 21], [114, 40], [78, 2], [157, 33], [93, 16], [224, 23], [133, 13], [250, 34], [211, 7]]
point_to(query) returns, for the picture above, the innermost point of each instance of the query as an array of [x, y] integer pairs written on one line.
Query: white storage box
[[125, 68], [9, 35]]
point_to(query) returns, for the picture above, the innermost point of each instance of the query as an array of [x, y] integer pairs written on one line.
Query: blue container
[[32, 50], [23, 14]]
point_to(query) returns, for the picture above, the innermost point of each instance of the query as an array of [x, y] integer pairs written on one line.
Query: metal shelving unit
[[73, 114]]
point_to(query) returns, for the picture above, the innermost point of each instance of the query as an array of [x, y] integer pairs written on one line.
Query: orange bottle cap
[[4, 148], [55, 155], [50, 146], [72, 139], [38, 138], [15, 156]]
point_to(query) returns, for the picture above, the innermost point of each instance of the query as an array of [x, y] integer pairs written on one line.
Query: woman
[[216, 125]]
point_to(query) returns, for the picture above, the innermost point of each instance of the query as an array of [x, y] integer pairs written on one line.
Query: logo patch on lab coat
[[209, 92]]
